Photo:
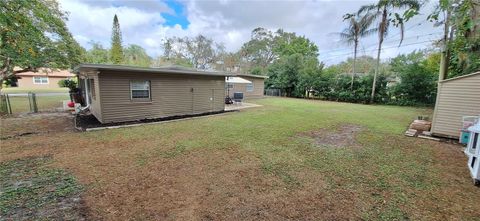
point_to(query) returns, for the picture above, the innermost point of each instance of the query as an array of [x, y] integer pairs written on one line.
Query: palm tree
[[387, 12], [358, 27]]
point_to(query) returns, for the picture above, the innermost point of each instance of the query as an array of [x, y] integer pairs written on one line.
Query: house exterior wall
[[171, 95], [258, 88], [457, 98], [27, 82]]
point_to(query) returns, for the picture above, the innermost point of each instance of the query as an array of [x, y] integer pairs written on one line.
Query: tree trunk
[[377, 69], [354, 65]]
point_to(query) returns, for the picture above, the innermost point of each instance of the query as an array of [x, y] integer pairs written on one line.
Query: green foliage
[[68, 83], [358, 27], [137, 56], [464, 25], [389, 12], [288, 43], [295, 74], [406, 80], [265, 47], [200, 51], [116, 51], [465, 47], [418, 80], [33, 34], [97, 54]]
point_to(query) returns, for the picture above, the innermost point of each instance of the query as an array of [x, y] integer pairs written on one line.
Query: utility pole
[[444, 60]]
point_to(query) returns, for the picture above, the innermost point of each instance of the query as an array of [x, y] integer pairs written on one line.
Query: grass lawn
[[44, 103], [276, 162]]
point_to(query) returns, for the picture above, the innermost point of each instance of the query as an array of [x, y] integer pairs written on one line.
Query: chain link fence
[[17, 103], [274, 92]]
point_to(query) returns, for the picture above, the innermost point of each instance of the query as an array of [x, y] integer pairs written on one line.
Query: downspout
[[87, 98]]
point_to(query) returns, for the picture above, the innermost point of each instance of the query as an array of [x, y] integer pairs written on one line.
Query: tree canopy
[[33, 34]]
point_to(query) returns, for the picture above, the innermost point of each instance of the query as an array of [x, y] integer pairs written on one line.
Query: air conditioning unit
[[473, 152]]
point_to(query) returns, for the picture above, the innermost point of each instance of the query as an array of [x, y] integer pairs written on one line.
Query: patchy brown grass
[[253, 165], [344, 136], [27, 124]]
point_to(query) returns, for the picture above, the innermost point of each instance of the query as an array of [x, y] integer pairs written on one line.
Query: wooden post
[[29, 96], [34, 102], [9, 106]]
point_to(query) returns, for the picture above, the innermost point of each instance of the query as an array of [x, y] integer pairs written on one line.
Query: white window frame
[[149, 91], [41, 81], [247, 87]]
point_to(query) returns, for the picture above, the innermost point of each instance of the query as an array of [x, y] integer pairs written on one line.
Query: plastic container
[[464, 136]]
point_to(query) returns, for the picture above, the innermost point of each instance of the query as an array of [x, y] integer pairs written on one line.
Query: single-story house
[[44, 78], [249, 90], [457, 97], [116, 93]]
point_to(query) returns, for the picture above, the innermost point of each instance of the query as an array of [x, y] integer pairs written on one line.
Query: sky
[[148, 22]]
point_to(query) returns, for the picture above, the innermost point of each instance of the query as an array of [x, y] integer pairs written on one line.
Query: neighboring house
[[117, 93], [457, 97], [250, 90], [42, 79]]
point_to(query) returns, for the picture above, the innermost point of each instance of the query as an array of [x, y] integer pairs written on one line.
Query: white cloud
[[231, 22]]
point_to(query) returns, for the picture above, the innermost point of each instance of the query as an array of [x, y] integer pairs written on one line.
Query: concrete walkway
[[239, 106]]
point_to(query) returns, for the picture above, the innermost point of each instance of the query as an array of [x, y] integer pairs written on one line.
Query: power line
[[371, 45], [404, 45], [407, 29]]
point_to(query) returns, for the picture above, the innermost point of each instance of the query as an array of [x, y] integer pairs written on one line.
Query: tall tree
[[289, 43], [389, 12], [33, 34], [137, 56], [259, 50], [461, 40], [97, 54], [116, 51], [358, 27], [265, 47], [200, 51]]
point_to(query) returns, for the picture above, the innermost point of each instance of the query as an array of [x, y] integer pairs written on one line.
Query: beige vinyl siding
[[170, 95], [258, 88], [457, 98], [27, 82]]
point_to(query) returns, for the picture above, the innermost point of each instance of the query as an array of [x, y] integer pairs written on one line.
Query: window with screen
[[140, 89], [250, 87], [40, 80]]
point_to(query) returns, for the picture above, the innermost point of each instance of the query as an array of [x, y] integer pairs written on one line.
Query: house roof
[[251, 75], [460, 77], [159, 70], [47, 72]]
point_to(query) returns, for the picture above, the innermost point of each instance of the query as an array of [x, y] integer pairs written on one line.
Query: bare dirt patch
[[344, 136], [27, 124]]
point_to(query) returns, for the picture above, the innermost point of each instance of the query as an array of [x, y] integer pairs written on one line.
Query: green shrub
[[68, 83]]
